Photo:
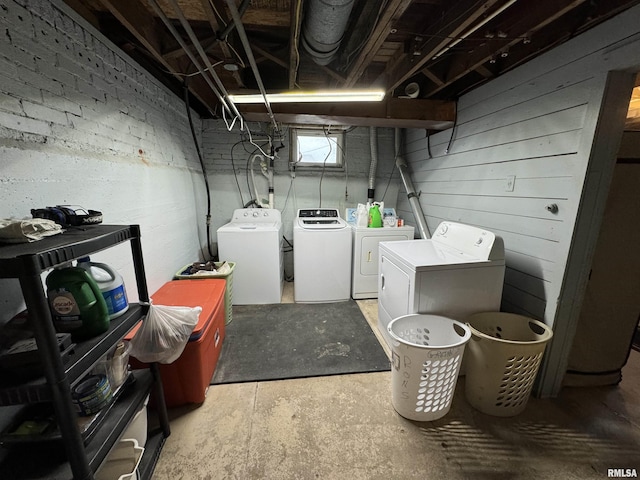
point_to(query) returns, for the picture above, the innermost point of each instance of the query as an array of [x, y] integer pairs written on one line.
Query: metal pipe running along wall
[[414, 201]]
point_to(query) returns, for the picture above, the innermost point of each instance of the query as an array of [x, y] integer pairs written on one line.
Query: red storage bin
[[187, 379]]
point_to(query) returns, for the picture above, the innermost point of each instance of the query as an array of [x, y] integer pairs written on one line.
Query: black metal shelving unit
[[74, 456]]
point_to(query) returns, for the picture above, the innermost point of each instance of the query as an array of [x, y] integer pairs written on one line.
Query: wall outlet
[[509, 185]]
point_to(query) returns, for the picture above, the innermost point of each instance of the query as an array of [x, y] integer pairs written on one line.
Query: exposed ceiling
[[445, 47], [633, 115]]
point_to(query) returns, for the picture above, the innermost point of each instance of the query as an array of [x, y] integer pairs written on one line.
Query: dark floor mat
[[292, 340]]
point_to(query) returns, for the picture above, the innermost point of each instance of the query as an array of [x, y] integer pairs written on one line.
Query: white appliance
[[364, 271], [253, 240], [459, 271], [321, 256]]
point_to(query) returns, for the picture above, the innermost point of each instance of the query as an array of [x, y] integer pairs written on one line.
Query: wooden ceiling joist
[[151, 34], [392, 14], [457, 20], [535, 19]]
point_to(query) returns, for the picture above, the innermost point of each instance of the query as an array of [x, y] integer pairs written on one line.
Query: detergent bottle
[[110, 283], [375, 217], [76, 302]]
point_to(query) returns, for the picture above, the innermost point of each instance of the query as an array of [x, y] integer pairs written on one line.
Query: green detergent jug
[[76, 302], [375, 218]]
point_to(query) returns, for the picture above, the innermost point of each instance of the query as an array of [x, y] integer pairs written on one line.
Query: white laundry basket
[[502, 361], [426, 355]]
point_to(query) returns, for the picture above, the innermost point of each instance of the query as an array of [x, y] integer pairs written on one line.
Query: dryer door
[[395, 289], [368, 250]]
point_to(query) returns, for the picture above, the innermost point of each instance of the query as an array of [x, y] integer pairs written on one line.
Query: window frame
[[337, 142]]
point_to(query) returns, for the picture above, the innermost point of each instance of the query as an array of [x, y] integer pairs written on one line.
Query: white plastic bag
[[362, 215], [164, 333]]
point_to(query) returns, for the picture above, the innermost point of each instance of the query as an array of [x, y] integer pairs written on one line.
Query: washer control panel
[[466, 238], [256, 215], [319, 213]]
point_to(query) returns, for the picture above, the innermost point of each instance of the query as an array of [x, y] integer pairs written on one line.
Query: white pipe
[[373, 140], [253, 179], [414, 201], [272, 200], [267, 172]]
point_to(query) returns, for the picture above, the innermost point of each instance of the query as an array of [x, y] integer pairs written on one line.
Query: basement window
[[317, 147]]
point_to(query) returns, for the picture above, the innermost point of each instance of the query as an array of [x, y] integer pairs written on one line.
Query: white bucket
[[122, 462], [426, 356], [137, 429]]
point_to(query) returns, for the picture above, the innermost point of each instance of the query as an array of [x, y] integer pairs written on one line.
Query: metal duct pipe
[[414, 202], [324, 27], [373, 140]]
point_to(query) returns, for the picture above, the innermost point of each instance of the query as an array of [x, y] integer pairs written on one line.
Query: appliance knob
[[246, 214], [255, 214], [479, 241], [443, 229]]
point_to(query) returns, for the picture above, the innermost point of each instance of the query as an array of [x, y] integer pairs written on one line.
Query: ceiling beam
[[381, 31], [211, 16], [456, 21], [150, 33], [268, 55], [530, 20], [432, 76], [391, 112]]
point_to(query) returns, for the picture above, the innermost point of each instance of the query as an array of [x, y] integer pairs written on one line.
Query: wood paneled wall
[[543, 136]]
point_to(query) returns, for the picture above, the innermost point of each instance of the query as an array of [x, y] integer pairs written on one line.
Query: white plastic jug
[[111, 285]]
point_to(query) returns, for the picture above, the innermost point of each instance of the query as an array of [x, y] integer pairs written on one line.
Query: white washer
[[459, 271], [321, 256], [253, 240]]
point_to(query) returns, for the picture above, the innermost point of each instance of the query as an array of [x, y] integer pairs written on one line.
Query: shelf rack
[[27, 262]]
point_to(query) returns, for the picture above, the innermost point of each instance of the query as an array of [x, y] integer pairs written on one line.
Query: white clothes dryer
[[253, 241], [321, 256], [364, 277], [458, 272], [364, 267]]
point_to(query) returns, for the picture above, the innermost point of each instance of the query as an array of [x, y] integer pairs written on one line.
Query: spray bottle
[[375, 217]]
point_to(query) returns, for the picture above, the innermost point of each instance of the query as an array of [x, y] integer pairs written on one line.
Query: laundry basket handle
[[459, 330], [537, 329]]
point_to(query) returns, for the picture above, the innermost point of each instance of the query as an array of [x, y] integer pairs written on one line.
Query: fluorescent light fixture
[[312, 96]]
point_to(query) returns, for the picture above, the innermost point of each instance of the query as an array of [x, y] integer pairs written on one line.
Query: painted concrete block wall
[[225, 150], [523, 144], [82, 124]]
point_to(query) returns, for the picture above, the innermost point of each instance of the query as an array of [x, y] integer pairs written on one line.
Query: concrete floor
[[344, 427]]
